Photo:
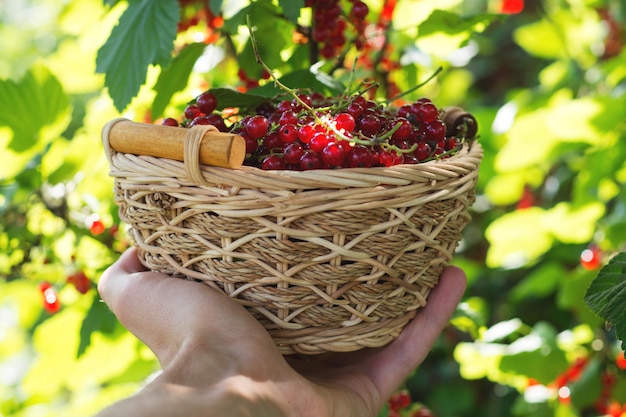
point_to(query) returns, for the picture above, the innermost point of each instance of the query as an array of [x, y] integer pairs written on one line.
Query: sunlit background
[[546, 80]]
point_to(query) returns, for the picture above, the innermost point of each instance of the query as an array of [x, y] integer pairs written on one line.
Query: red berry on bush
[[620, 360], [80, 281], [399, 400], [51, 302], [591, 258]]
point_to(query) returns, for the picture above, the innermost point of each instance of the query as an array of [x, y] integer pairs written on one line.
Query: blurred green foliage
[[548, 86]]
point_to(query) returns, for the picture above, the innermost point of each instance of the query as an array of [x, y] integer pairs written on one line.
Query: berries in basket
[[329, 218]]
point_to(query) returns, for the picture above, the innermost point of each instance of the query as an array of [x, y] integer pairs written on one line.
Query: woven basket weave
[[326, 260]]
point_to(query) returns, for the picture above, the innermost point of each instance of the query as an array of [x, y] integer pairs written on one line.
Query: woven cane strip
[[325, 260]]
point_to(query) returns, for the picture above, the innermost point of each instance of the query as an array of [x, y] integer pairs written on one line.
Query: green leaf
[[291, 8], [144, 36], [606, 296], [99, 318], [517, 238], [216, 6], [444, 31], [175, 77], [26, 106], [541, 39], [536, 355], [227, 97], [33, 112]]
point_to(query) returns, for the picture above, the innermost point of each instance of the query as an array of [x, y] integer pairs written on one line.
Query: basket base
[[347, 339]]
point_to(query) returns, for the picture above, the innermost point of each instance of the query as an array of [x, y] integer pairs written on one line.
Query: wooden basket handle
[[227, 150]]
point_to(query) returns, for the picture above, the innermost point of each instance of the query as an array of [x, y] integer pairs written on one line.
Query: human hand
[[217, 360]]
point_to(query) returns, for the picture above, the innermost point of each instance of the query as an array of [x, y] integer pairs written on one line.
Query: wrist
[[240, 396]]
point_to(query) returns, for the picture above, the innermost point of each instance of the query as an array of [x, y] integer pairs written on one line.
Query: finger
[[390, 366], [112, 280]]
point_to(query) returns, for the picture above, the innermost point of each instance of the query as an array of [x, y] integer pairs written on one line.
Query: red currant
[[288, 133], [345, 121], [359, 157], [293, 152], [288, 117], [591, 258], [80, 282], [257, 126], [620, 361], [51, 302], [206, 102], [333, 154], [369, 125], [170, 121], [310, 160], [319, 141], [359, 10], [273, 162], [305, 133], [399, 400], [192, 111], [423, 151]]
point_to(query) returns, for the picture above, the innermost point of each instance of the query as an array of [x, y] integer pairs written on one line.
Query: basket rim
[[465, 162]]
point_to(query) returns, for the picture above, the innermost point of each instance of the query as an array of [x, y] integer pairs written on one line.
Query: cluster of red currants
[[330, 24], [311, 131]]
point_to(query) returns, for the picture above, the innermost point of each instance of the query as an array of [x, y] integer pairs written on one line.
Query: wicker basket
[[326, 260]]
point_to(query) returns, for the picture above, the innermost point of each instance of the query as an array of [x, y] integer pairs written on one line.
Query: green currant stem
[[420, 85]]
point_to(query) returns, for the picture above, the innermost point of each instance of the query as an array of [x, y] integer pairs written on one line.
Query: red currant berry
[[359, 157], [273, 143], [399, 400], [96, 226], [319, 141], [200, 120], [273, 162], [217, 121], [359, 10], [355, 109], [310, 160], [206, 102], [333, 154], [423, 151], [170, 121], [257, 126], [288, 133], [80, 282], [435, 131], [305, 133], [51, 302], [192, 111], [251, 143], [345, 121], [369, 125], [427, 112], [288, 117], [620, 360], [293, 152], [390, 158], [283, 106], [591, 258], [403, 131]]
